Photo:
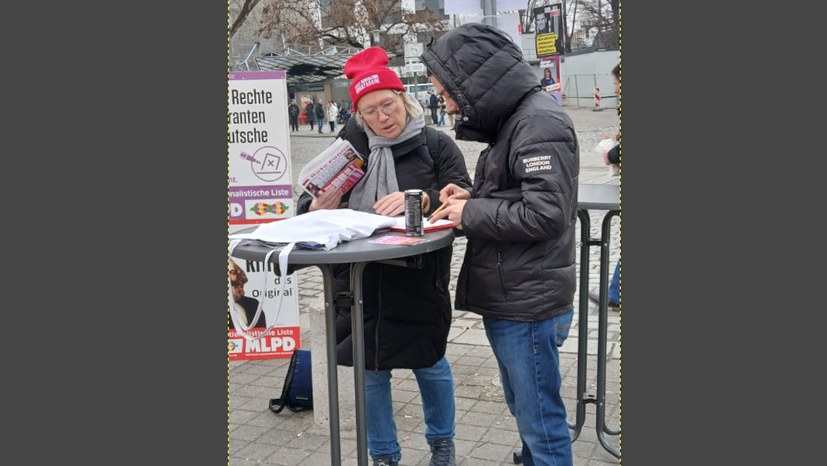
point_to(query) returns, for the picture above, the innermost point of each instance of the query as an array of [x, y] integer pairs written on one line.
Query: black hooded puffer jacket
[[520, 222]]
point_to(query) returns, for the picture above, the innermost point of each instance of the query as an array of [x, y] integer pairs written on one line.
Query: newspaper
[[339, 166]]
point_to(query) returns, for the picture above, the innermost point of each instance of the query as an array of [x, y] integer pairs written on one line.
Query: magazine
[[339, 166], [427, 226]]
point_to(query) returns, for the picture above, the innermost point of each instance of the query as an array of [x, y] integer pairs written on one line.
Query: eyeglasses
[[386, 107]]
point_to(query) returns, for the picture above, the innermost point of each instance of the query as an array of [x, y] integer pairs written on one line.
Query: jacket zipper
[[378, 325], [501, 274]]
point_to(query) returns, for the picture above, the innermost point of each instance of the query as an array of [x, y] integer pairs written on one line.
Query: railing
[[578, 91]]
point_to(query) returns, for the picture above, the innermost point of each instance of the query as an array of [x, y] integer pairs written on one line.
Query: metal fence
[[579, 91]]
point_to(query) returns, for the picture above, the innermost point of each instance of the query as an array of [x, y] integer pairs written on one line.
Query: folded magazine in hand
[[339, 166]]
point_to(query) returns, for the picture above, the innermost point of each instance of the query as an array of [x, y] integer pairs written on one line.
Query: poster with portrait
[[549, 28], [550, 77], [260, 191]]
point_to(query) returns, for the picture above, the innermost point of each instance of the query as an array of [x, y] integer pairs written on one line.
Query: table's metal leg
[[603, 322], [332, 372], [359, 361], [582, 325]]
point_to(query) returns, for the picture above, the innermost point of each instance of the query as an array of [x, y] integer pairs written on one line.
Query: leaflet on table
[[398, 240], [339, 166], [441, 224]]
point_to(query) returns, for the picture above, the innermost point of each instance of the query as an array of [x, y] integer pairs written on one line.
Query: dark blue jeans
[[436, 388], [530, 373], [614, 285]]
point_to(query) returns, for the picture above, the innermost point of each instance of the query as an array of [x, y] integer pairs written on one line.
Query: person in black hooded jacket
[[612, 156], [519, 219], [407, 311]]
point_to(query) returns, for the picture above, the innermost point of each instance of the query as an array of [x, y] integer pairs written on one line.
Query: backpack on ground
[[297, 393]]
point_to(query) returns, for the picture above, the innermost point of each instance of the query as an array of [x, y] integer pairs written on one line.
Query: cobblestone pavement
[[486, 433]]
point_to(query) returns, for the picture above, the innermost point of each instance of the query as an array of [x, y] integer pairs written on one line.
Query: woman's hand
[[390, 205], [329, 199]]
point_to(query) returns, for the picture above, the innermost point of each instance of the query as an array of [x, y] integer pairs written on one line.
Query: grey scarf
[[380, 177]]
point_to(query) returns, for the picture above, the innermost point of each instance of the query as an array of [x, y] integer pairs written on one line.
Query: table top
[[362, 250], [598, 197], [590, 196]]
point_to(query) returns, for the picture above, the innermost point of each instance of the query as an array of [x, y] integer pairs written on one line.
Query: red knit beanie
[[368, 72]]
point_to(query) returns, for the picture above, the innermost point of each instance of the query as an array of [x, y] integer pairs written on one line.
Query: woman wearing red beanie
[[407, 311]]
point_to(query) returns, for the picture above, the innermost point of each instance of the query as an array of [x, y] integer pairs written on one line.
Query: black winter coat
[[407, 311], [318, 110], [614, 154], [520, 222]]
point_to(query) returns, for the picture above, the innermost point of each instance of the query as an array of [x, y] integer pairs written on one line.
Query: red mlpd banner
[[279, 342]]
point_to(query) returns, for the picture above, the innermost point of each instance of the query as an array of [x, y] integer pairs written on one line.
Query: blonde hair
[[410, 108]]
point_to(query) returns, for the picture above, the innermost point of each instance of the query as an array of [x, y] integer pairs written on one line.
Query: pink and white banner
[[260, 191]]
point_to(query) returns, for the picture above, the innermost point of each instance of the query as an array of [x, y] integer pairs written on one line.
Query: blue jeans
[[530, 373], [320, 124], [436, 387], [614, 285]]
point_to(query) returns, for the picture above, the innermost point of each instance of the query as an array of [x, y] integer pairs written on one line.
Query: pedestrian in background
[[309, 113], [519, 221], [611, 157], [293, 112], [433, 103], [332, 115], [318, 110], [344, 112]]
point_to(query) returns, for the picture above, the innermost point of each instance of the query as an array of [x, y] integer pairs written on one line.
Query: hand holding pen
[[453, 200], [438, 210]]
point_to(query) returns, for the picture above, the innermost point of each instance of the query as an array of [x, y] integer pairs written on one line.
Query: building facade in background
[[582, 70]]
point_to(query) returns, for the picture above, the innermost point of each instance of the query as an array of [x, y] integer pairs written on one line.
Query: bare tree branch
[[570, 30], [307, 25], [603, 15], [242, 15]]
